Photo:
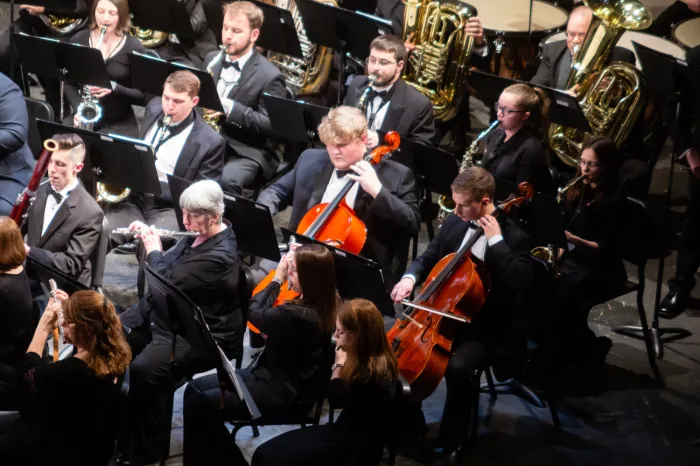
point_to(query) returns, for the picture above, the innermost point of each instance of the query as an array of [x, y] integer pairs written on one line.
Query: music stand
[[169, 16], [356, 277], [342, 30], [44, 272], [186, 319], [149, 74], [112, 159], [294, 120], [671, 78]]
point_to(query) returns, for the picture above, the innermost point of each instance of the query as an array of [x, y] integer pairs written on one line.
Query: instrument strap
[[373, 114]]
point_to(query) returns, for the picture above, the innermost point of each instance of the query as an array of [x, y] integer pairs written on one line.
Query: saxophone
[[308, 75], [612, 96], [447, 205], [362, 103], [89, 111]]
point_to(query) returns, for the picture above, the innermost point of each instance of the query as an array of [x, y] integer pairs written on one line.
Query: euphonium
[[308, 75], [611, 97], [446, 204], [61, 25], [149, 38], [439, 64], [89, 111]]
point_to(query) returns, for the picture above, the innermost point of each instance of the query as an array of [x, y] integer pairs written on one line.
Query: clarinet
[[58, 331], [160, 134]]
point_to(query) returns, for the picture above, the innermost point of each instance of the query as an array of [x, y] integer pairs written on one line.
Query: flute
[[158, 231]]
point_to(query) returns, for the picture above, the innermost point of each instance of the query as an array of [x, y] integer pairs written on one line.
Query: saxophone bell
[[561, 192], [89, 112], [362, 103]]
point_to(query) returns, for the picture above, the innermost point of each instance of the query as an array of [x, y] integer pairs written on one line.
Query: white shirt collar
[[243, 60], [64, 192]]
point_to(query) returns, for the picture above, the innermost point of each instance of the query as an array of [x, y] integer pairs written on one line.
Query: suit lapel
[[38, 207], [62, 214], [559, 53], [246, 73], [189, 150], [151, 115], [320, 180], [396, 108]]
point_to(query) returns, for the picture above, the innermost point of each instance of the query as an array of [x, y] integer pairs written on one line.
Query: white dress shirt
[[335, 184], [169, 151], [228, 79], [379, 106], [52, 206]]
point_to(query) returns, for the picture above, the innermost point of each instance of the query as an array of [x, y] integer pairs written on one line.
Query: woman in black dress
[[514, 151], [117, 115], [291, 371], [363, 384], [16, 312], [68, 411]]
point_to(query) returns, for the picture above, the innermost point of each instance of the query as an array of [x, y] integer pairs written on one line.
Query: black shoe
[[126, 248], [673, 304]]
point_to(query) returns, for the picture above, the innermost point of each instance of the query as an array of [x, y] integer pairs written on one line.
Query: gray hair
[[203, 197]]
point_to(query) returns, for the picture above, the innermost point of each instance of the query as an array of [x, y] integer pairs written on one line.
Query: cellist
[[504, 251], [384, 197]]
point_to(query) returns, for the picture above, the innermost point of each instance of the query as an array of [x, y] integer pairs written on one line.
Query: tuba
[[439, 65], [150, 38], [89, 111], [62, 25], [611, 97], [308, 75]]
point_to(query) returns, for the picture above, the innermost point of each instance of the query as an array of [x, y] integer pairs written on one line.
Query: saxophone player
[[242, 76]]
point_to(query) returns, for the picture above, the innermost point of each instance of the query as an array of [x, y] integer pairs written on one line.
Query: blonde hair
[[342, 125], [533, 100]]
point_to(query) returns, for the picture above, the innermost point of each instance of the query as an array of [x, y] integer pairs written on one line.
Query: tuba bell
[[149, 38], [611, 97], [438, 66], [62, 25]]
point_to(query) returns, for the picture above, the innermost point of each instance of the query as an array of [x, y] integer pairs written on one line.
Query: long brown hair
[[533, 100], [98, 328], [12, 253], [316, 271], [124, 23], [370, 357], [608, 160]]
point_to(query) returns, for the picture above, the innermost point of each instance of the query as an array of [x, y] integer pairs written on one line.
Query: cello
[[335, 223], [451, 296]]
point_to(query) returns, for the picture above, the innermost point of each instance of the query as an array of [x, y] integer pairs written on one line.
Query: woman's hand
[[49, 319], [33, 10], [151, 240], [340, 355], [283, 268], [99, 92]]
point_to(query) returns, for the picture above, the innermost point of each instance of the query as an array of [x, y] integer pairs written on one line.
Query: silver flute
[[159, 232]]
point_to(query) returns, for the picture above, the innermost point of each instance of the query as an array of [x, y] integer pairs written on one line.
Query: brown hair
[[12, 252], [390, 44], [533, 100], [608, 159], [476, 183], [370, 357], [341, 125], [98, 328], [73, 143], [249, 10], [316, 271], [124, 23], [184, 81]]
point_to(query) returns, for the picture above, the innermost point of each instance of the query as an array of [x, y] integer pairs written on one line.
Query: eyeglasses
[[575, 35], [338, 332], [374, 61], [506, 111], [586, 163], [192, 216]]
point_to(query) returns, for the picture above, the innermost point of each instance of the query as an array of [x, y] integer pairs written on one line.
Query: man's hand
[[367, 178], [33, 10], [473, 28], [99, 92], [372, 139], [573, 91], [402, 289], [572, 238], [693, 156], [490, 226], [693, 5], [410, 46]]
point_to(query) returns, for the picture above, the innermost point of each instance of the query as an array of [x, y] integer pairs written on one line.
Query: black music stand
[[294, 120], [113, 159], [343, 30], [277, 33], [44, 272], [186, 319], [149, 74], [169, 16], [356, 277], [671, 79]]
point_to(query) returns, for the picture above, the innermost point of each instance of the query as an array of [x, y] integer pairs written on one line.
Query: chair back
[[37, 109], [635, 238], [98, 258]]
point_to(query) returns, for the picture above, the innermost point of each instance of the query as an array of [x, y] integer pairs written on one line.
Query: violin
[[335, 222], [451, 296]]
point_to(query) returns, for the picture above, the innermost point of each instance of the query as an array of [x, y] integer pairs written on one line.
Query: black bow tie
[[228, 64], [341, 173], [56, 195], [381, 94]]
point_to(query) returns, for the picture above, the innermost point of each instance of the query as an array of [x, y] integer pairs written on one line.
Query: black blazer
[[198, 48], [392, 10], [391, 219], [202, 156], [247, 130], [410, 113], [208, 275], [72, 236], [548, 72], [521, 158]]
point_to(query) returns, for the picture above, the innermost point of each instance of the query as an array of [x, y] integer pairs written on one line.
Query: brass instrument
[[439, 64], [209, 118], [362, 103], [89, 111], [62, 25], [562, 191], [611, 97], [445, 203], [308, 75], [150, 38], [159, 232]]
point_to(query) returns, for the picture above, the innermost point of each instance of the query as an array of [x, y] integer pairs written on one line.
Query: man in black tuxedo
[[384, 198], [391, 104], [16, 161], [678, 11], [243, 75], [504, 252], [189, 148], [64, 222]]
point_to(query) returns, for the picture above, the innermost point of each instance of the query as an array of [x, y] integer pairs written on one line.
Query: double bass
[[335, 223], [451, 296]]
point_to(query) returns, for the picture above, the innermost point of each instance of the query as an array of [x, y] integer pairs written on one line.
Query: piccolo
[[158, 231]]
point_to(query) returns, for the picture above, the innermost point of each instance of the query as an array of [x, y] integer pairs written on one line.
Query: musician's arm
[[541, 77], [14, 122], [399, 209], [421, 267], [197, 18], [213, 162], [262, 313], [424, 129], [278, 196], [133, 95], [516, 269], [257, 119]]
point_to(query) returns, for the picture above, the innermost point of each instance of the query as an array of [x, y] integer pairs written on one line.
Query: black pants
[[675, 13], [240, 174], [688, 260], [148, 210]]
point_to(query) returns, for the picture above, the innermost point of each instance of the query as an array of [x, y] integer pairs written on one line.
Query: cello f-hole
[[429, 324]]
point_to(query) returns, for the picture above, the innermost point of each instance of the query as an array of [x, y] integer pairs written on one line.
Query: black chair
[[98, 258], [37, 109]]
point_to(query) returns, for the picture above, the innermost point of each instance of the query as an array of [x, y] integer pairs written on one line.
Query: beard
[[233, 50]]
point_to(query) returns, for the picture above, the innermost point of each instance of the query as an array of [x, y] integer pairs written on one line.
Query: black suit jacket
[[247, 130], [198, 48], [202, 156], [72, 235], [392, 218], [392, 10], [410, 113], [548, 72]]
